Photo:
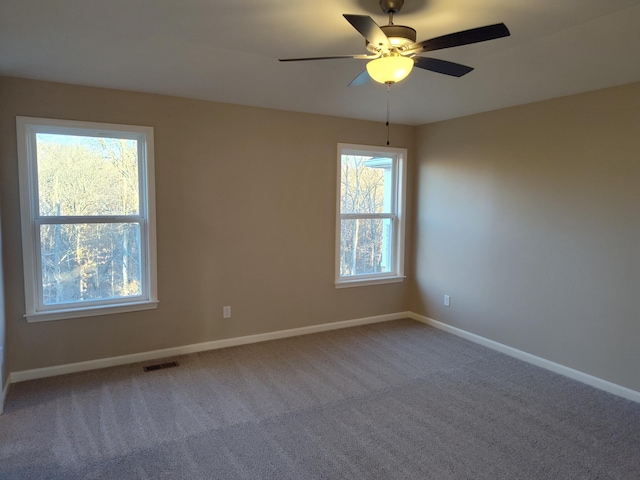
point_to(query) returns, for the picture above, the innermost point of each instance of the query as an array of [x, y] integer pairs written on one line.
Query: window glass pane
[[365, 246], [365, 184], [80, 175], [88, 262]]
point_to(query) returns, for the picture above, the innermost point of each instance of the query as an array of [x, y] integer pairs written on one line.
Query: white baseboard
[[25, 375], [5, 392], [533, 359]]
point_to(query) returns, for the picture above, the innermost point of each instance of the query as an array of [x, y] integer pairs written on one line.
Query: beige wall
[[246, 217], [4, 365], [529, 217]]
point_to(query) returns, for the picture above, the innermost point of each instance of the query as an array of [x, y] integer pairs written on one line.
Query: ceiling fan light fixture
[[390, 69], [399, 41]]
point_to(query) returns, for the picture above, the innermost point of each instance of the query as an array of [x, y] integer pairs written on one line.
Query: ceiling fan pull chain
[[388, 109]]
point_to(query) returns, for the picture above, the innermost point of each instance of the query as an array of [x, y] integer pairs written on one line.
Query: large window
[[370, 215], [88, 218]]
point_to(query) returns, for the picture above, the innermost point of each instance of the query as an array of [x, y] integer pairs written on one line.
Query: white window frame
[[397, 215], [36, 311]]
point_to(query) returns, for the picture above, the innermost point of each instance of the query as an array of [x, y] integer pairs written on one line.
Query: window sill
[[362, 282], [90, 311]]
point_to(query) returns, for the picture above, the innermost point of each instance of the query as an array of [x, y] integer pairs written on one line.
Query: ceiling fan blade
[[474, 35], [359, 57], [442, 66], [368, 29], [361, 79]]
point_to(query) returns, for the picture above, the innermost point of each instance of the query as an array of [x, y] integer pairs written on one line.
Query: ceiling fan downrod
[[390, 7]]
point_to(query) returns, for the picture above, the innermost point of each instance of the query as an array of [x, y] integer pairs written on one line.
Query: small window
[[88, 218], [370, 215]]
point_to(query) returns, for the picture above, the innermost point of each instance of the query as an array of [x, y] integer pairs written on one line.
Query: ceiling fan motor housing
[[398, 35], [400, 31]]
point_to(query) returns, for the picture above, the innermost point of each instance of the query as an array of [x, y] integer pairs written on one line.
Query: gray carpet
[[397, 400]]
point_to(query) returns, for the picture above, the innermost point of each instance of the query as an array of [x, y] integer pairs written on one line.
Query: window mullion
[[84, 220], [365, 216]]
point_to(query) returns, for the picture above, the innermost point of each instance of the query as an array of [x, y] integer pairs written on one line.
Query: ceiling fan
[[393, 50]]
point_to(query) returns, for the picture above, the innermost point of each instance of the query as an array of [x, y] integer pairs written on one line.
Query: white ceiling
[[227, 51]]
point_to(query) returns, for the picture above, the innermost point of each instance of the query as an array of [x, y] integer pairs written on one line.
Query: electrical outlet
[[226, 312], [447, 300]]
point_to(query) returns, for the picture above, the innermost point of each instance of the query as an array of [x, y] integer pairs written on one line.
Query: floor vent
[[160, 366]]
